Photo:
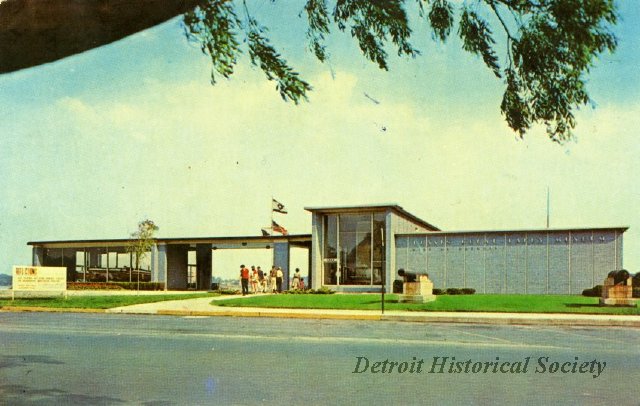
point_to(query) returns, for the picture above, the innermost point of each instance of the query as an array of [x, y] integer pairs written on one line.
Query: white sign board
[[39, 278]]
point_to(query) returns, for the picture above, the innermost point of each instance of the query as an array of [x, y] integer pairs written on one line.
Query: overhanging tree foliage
[[540, 49]]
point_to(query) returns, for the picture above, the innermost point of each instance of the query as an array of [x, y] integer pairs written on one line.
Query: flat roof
[[374, 207], [530, 230], [292, 239]]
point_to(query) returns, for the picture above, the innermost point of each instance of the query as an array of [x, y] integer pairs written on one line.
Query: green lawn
[[448, 303], [97, 302]]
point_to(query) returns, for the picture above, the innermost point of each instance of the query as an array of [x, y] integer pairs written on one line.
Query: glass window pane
[[355, 248], [330, 272], [378, 237], [350, 243], [378, 247], [52, 257], [80, 266], [330, 237], [96, 270]]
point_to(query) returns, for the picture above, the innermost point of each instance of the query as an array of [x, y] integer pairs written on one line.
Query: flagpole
[[273, 251], [547, 207]]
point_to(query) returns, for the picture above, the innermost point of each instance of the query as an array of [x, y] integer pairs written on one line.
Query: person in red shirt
[[244, 279]]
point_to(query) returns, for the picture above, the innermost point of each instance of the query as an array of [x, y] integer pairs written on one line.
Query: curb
[[523, 321], [418, 318], [49, 309], [270, 314], [543, 321]]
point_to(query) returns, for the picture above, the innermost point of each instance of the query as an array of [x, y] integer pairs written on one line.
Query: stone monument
[[617, 289], [417, 288]]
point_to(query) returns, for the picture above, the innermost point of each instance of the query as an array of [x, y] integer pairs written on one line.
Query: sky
[[92, 144]]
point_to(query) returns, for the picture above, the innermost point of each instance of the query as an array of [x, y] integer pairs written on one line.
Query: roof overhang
[[302, 240], [522, 231], [373, 208]]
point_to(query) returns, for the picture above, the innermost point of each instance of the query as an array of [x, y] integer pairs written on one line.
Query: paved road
[[48, 358]]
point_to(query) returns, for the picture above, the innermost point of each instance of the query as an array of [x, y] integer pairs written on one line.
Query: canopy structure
[[167, 263]]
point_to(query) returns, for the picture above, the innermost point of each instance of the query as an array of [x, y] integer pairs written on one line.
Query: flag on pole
[[277, 206], [278, 228]]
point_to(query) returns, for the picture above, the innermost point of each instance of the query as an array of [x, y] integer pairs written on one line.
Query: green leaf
[[375, 23], [441, 19], [213, 26], [477, 38], [318, 18], [549, 46], [262, 54], [514, 106]]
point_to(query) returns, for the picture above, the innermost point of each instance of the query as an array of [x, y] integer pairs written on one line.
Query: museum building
[[358, 248]]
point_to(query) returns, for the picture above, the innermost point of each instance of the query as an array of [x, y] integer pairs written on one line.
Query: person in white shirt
[[296, 279], [279, 276]]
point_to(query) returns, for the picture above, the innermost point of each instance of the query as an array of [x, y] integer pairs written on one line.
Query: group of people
[[264, 282]]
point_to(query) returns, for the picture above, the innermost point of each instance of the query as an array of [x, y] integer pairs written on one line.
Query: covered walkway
[[167, 263]]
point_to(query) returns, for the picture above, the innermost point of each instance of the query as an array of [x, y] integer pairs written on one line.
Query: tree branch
[[504, 24]]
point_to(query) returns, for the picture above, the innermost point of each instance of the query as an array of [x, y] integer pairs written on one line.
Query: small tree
[[141, 242]]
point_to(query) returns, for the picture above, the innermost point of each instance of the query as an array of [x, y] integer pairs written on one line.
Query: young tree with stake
[[141, 242]]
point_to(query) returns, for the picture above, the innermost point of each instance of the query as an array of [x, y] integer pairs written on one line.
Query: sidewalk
[[202, 307]]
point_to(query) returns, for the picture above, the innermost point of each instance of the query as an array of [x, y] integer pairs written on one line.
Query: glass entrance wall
[[330, 250], [99, 264], [353, 249]]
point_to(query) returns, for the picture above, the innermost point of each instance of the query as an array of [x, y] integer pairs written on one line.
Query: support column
[[159, 264], [315, 254], [281, 258], [177, 269], [203, 266], [311, 273]]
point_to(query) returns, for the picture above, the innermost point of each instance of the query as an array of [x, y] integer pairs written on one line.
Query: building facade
[[526, 262], [361, 248], [353, 247]]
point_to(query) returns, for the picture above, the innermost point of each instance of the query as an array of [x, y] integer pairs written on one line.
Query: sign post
[[384, 276]]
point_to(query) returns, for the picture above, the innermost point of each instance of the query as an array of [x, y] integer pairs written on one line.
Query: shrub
[[636, 293], [296, 291], [453, 291], [93, 286], [437, 291], [397, 286], [595, 291], [468, 291], [322, 291], [141, 285], [115, 286], [228, 291]]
